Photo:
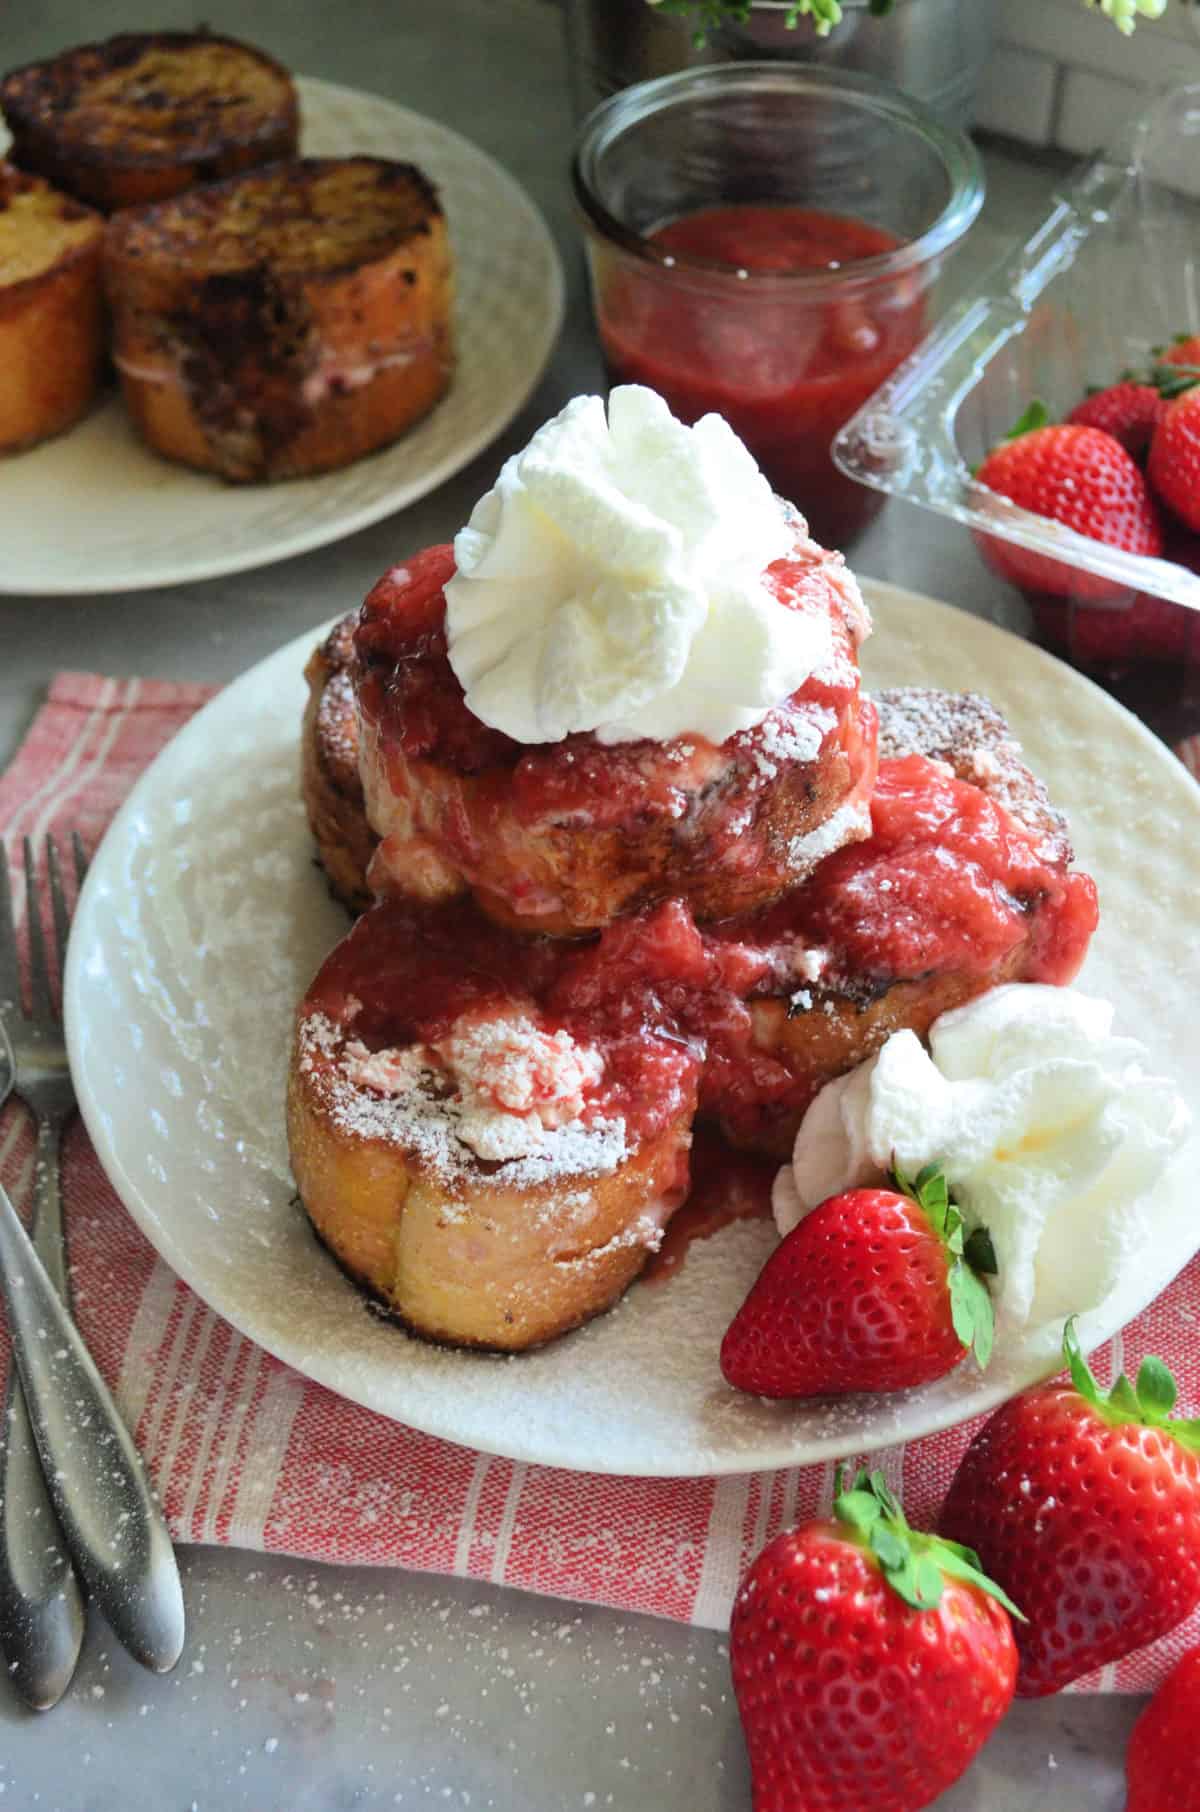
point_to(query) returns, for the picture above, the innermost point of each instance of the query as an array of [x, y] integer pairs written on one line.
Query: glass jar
[[803, 163]]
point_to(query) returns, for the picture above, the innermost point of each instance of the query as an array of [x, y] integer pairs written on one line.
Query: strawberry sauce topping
[[405, 975], [410, 694], [948, 881]]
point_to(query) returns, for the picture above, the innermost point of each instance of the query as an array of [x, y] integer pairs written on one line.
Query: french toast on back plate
[[285, 321], [51, 309], [146, 115]]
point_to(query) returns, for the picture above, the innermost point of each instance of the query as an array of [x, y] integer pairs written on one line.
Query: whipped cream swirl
[[611, 581], [1049, 1129]]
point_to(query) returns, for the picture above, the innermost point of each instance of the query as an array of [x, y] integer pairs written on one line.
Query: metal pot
[[932, 49]]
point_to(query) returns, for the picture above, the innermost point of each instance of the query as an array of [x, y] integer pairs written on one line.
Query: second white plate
[[204, 918], [96, 511]]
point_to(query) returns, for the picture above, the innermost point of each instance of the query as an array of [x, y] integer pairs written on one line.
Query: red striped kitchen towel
[[249, 1453]]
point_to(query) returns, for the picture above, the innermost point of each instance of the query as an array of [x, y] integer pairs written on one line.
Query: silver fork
[[99, 1490], [41, 1606]]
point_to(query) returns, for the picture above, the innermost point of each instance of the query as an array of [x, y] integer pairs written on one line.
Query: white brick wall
[[1061, 75]]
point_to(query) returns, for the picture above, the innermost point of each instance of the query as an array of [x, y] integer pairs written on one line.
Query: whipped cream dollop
[[1048, 1127], [611, 581]]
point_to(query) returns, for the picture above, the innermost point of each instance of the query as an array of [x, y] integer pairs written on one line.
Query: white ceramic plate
[[204, 918], [96, 511]]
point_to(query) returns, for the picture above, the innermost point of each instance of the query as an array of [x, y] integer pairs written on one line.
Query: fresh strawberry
[[1161, 1769], [1173, 467], [1184, 350], [872, 1291], [1086, 1507], [1080, 477], [870, 1663], [1128, 411]]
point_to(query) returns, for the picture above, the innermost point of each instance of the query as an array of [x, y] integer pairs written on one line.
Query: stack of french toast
[[572, 954], [269, 315]]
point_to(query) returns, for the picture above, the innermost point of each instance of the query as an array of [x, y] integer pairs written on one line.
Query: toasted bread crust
[[473, 1261], [329, 782], [51, 309], [966, 731], [563, 837], [839, 1031], [145, 115], [845, 1024], [563, 879], [284, 322]]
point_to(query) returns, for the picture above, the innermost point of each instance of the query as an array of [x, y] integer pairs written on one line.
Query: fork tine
[[40, 1003], [58, 903], [81, 861], [10, 974]]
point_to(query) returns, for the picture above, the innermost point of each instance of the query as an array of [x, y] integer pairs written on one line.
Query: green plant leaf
[[903, 1581], [886, 1496]]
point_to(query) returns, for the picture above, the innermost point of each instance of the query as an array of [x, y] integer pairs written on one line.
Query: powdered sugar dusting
[[848, 822], [785, 738], [417, 1102], [966, 731]]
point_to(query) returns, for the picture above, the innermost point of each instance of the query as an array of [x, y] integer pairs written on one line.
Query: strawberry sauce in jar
[[785, 372], [763, 239]]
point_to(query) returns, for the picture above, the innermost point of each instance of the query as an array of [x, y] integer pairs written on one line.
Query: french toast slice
[[829, 1007], [329, 779], [286, 321], [145, 115], [563, 837], [493, 1177], [52, 329]]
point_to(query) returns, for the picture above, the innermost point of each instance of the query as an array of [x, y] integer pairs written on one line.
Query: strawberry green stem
[[915, 1565], [970, 1259], [1035, 416], [1147, 1404]]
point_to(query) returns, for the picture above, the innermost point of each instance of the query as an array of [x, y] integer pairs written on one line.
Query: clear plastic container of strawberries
[[1056, 414]]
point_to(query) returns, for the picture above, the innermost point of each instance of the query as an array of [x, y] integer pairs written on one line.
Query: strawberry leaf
[[970, 1305], [1148, 1403], [1172, 380], [903, 1581], [914, 1565], [963, 1563], [888, 1548], [1036, 416], [930, 1583], [1156, 1390], [1124, 1399], [980, 1253], [972, 1313], [860, 1509]]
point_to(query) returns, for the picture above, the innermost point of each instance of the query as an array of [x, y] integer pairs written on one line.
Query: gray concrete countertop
[[327, 1688]]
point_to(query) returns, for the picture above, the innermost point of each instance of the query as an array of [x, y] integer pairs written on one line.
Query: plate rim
[[1094, 1329], [117, 582]]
